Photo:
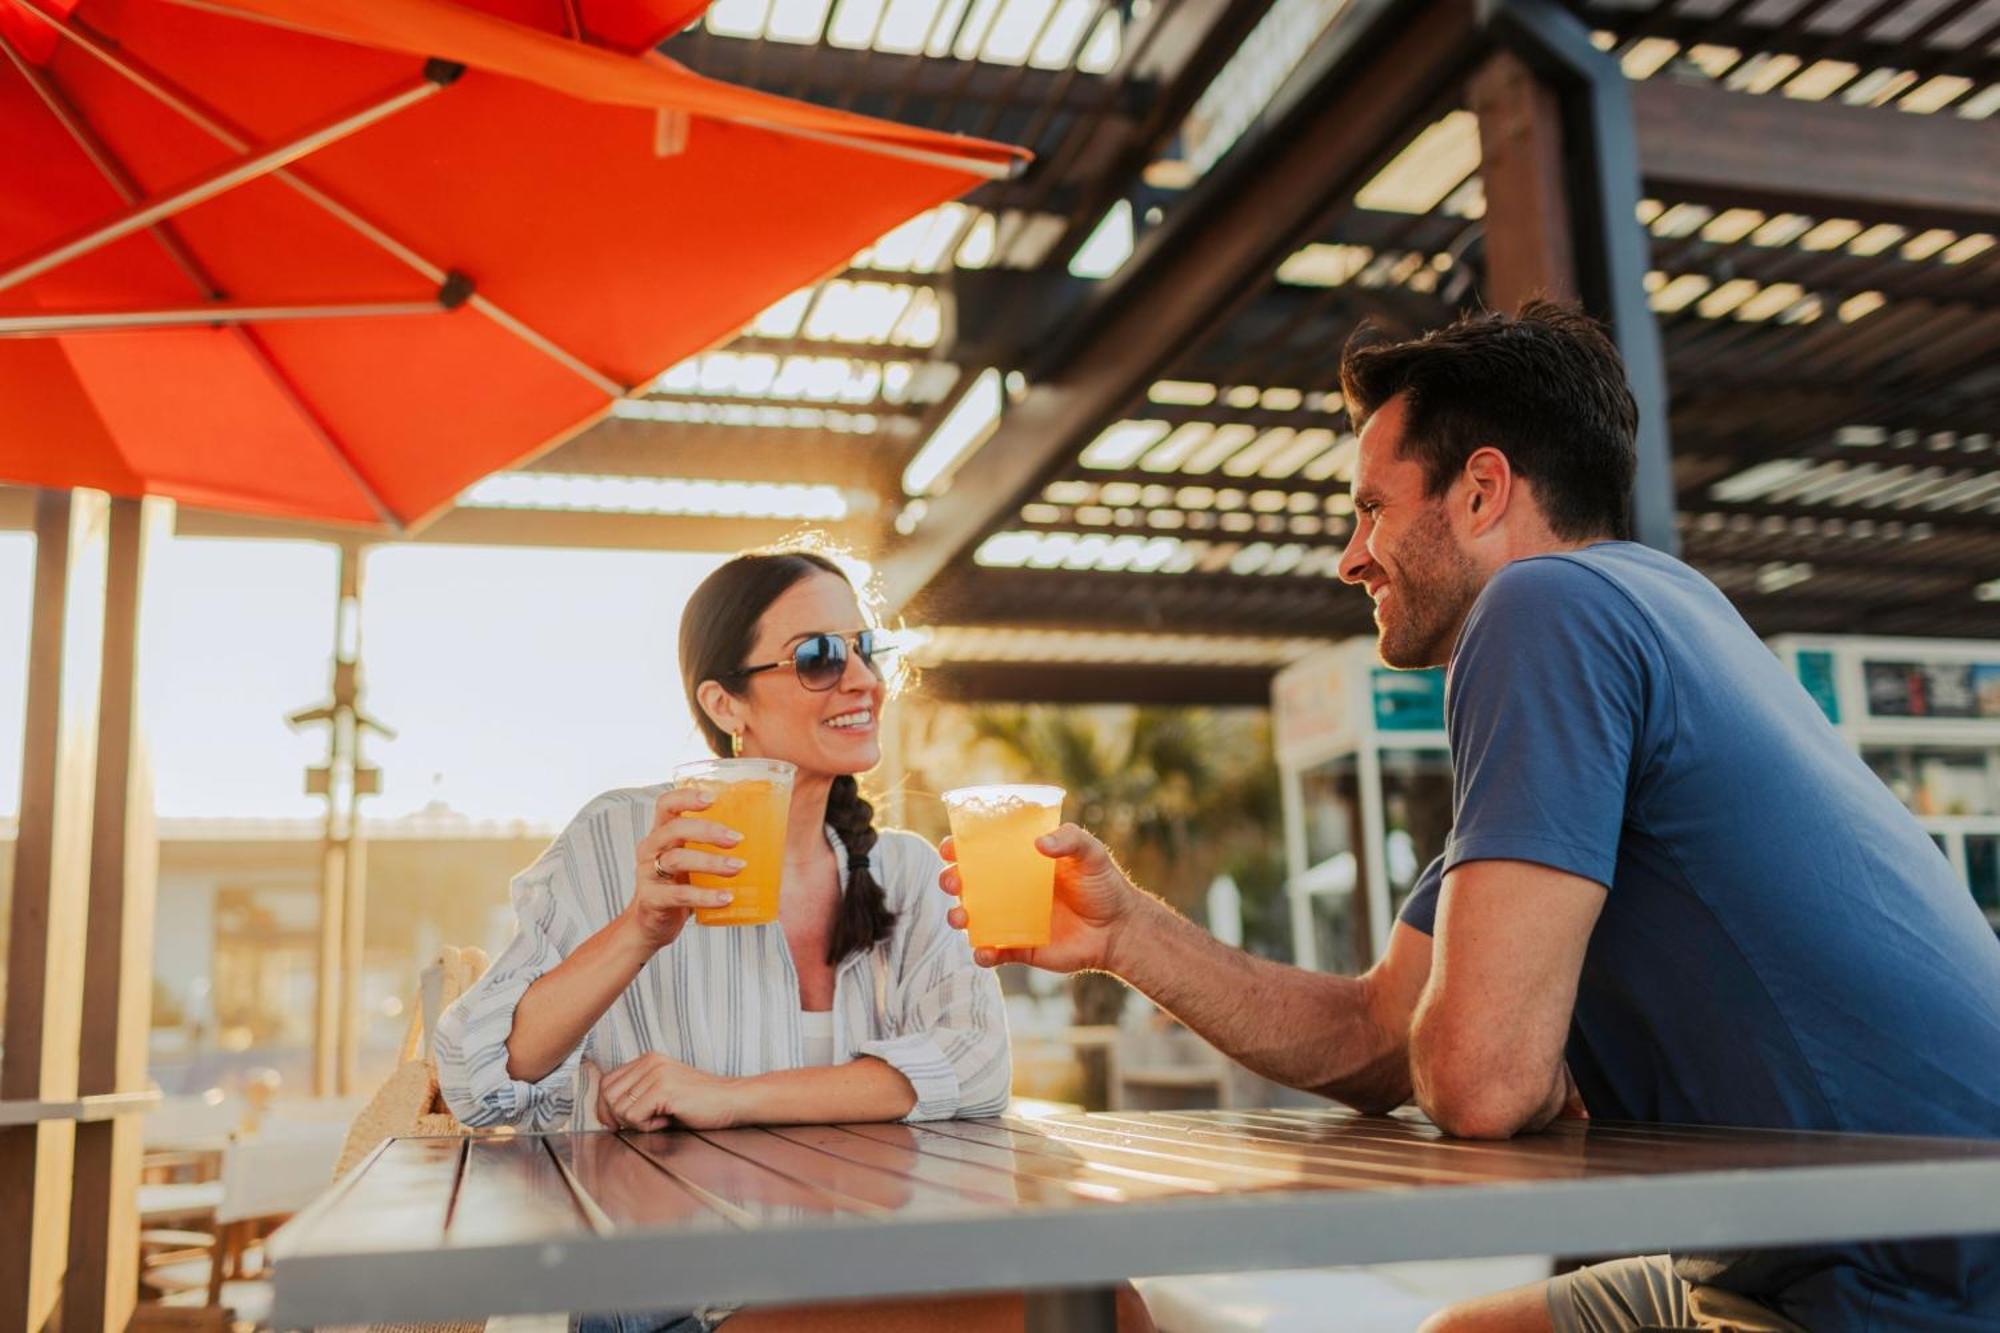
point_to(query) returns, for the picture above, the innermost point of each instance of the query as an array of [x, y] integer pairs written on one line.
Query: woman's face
[[822, 731]]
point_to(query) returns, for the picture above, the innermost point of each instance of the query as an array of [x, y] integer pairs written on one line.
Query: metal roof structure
[[1099, 400]]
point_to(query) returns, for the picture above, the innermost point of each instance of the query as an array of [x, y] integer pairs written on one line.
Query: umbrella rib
[[56, 323], [993, 171], [244, 170], [348, 463], [188, 108], [99, 156], [122, 183], [971, 166]]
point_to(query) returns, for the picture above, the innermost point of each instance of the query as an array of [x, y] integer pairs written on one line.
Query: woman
[[859, 1003]]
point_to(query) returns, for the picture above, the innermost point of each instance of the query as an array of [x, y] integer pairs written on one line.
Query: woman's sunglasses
[[820, 660]]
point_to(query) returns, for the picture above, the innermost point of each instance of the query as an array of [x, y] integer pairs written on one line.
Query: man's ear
[[1490, 478]]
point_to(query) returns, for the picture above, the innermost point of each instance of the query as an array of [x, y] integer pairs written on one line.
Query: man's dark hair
[[1545, 388]]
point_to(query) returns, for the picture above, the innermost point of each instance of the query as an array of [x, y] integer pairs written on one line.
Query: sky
[[520, 683]]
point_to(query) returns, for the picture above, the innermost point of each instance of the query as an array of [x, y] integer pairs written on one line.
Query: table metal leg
[[1080, 1310]]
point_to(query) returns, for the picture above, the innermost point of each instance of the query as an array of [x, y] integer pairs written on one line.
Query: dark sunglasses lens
[[821, 661]]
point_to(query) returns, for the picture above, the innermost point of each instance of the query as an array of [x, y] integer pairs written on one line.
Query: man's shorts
[[1628, 1294]]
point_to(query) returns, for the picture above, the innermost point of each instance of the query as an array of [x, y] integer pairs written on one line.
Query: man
[[1671, 892]]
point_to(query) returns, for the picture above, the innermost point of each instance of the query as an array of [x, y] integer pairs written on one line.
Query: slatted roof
[[1834, 375]]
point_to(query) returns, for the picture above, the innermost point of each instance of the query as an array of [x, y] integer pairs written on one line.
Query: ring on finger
[[660, 871]]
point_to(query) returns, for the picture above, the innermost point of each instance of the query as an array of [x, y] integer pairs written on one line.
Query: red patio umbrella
[[338, 260]]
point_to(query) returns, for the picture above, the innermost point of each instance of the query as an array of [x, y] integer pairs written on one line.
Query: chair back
[[408, 1102]]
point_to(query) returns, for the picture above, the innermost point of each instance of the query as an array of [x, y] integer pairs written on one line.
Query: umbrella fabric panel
[[622, 25], [193, 409], [427, 405], [50, 433], [541, 218]]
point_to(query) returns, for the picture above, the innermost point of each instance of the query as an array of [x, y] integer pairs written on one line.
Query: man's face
[[1404, 551]]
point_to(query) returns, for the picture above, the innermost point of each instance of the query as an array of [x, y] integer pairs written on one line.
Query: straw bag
[[408, 1103]]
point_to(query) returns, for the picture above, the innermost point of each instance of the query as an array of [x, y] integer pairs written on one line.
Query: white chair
[[271, 1174]]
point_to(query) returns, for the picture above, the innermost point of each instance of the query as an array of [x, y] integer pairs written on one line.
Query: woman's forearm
[[563, 1003], [860, 1090]]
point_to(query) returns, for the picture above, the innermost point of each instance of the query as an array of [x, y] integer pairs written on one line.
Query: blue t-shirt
[[1781, 944]]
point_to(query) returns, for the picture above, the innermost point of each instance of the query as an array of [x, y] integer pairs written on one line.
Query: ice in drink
[[1008, 887], [754, 797]]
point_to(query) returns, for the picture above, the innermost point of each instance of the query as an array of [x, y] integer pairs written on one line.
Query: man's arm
[[1486, 1050], [1340, 1037]]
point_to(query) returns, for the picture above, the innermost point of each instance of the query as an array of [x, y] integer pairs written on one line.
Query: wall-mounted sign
[[1408, 700], [1816, 674]]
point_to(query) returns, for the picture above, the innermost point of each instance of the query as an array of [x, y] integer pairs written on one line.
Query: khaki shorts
[[1628, 1294]]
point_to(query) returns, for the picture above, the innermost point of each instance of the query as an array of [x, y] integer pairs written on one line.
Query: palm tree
[[1180, 794]]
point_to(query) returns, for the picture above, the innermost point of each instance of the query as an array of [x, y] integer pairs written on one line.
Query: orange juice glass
[[754, 797], [1008, 887]]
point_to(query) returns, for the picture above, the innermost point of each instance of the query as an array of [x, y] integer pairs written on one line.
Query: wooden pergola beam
[[820, 72], [1374, 80], [1176, 684], [1824, 159], [620, 447], [1193, 602], [1530, 251], [573, 528]]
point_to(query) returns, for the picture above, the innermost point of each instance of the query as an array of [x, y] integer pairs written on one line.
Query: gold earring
[[735, 745]]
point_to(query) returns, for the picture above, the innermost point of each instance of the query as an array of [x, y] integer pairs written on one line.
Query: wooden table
[[447, 1227]]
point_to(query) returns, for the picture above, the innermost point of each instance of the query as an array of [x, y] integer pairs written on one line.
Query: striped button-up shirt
[[726, 1000]]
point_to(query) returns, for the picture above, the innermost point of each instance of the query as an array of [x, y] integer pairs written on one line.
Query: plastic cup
[[1008, 887], [754, 797]]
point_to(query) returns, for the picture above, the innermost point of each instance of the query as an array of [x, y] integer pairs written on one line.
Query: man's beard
[[1430, 598]]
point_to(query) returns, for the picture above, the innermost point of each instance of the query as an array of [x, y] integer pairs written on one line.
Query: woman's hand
[[661, 894], [653, 1092], [1093, 901]]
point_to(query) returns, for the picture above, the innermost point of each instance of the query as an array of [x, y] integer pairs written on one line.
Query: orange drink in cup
[[754, 797], [1008, 887]]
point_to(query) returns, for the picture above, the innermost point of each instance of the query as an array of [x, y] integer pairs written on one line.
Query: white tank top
[[817, 1026]]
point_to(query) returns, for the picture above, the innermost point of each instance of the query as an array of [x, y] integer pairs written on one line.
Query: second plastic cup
[[754, 797], [1008, 888]]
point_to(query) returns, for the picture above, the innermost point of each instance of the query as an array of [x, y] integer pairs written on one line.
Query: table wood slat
[[630, 1190], [1095, 1180], [512, 1191], [1421, 1158], [1405, 1138], [868, 1186], [1608, 1147], [1180, 1177], [1202, 1172], [1334, 1168], [748, 1194], [397, 1201], [899, 1152]]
